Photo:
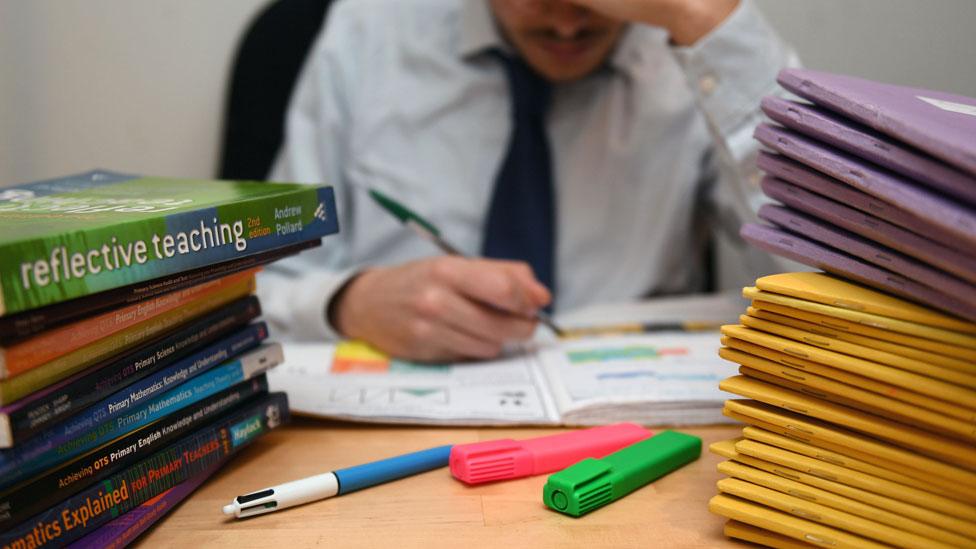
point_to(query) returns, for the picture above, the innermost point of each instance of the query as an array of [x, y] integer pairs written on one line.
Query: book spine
[[121, 531], [68, 396], [28, 323], [125, 399], [90, 508], [38, 455], [43, 270], [46, 490], [37, 378], [18, 358]]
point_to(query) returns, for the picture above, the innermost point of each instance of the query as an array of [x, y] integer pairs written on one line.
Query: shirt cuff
[[296, 307], [735, 65]]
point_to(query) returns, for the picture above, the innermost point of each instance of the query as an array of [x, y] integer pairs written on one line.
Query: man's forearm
[[687, 21]]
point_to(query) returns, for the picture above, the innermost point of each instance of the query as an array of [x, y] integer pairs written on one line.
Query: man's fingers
[[539, 295], [505, 285], [441, 308], [438, 343], [443, 304]]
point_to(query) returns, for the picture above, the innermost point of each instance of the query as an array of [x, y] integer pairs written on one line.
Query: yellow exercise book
[[935, 388], [952, 337], [752, 534], [826, 515], [849, 443], [788, 525], [926, 442], [919, 519], [836, 292], [857, 479], [727, 449], [847, 326], [927, 532], [758, 434], [962, 365], [932, 483], [848, 395], [923, 367], [868, 384], [938, 425]]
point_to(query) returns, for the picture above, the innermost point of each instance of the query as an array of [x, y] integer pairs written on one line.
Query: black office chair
[[266, 66]]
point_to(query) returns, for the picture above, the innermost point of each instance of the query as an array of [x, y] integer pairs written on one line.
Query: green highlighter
[[593, 483]]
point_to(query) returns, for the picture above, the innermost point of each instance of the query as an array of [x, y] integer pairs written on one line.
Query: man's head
[[558, 39]]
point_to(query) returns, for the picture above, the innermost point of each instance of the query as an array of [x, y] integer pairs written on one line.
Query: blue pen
[[337, 483]]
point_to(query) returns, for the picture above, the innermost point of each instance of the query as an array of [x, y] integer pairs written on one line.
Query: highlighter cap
[[508, 459], [593, 483], [491, 460]]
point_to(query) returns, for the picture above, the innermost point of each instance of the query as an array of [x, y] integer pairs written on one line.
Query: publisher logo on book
[[273, 415]]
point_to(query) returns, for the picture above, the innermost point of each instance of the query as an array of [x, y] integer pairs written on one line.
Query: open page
[[668, 378], [656, 379], [351, 381]]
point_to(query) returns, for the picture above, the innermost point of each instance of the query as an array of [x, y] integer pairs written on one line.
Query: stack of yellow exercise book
[[861, 419]]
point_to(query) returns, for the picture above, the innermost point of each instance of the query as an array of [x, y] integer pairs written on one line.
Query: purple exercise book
[[799, 249], [872, 228], [941, 124], [867, 250], [792, 171], [957, 219], [868, 144]]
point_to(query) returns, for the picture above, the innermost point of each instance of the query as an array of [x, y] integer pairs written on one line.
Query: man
[[571, 136]]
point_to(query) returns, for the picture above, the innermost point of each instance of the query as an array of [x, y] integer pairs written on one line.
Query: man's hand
[[687, 21], [441, 309]]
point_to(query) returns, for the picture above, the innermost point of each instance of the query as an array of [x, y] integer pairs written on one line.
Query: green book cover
[[78, 235]]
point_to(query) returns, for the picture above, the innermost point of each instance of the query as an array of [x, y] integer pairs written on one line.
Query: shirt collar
[[478, 30]]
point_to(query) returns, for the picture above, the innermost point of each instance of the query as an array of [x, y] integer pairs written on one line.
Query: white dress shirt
[[403, 96]]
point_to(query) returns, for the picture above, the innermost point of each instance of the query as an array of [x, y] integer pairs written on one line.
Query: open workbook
[[666, 378]]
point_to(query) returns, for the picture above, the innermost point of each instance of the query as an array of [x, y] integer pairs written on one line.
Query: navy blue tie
[[521, 222]]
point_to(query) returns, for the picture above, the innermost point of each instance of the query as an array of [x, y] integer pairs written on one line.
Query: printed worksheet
[[661, 378], [352, 381], [668, 378]]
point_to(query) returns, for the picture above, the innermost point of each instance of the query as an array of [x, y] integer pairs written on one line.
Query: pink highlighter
[[506, 459]]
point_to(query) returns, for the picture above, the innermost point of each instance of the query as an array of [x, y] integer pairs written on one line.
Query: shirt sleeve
[[729, 71], [295, 293]]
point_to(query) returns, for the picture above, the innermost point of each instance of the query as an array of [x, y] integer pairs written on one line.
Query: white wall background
[[138, 85]]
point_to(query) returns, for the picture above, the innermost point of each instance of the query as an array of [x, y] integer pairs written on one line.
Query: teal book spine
[[39, 454], [55, 485], [122, 401], [75, 236], [198, 453]]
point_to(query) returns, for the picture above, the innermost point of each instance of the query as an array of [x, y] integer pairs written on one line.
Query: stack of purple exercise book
[[876, 183]]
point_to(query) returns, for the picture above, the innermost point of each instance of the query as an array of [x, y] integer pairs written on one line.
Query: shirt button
[[707, 84]]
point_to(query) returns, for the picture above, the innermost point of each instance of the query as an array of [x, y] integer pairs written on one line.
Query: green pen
[[429, 232], [593, 483]]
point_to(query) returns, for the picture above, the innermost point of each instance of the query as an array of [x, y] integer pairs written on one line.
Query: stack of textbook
[[860, 384], [131, 362]]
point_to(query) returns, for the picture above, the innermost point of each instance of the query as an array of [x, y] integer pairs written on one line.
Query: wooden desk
[[433, 509]]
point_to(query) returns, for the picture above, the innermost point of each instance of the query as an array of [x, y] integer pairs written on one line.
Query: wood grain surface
[[433, 509]]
